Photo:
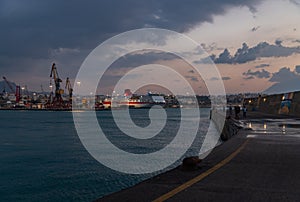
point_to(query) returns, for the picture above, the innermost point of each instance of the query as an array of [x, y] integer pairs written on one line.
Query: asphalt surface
[[266, 167]]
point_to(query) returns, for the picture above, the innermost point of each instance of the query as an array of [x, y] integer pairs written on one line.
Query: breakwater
[[218, 117], [226, 125], [283, 103]]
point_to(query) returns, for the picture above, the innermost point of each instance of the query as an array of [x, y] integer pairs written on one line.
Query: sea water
[[42, 158]]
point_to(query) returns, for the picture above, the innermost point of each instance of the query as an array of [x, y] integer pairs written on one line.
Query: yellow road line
[[201, 176]]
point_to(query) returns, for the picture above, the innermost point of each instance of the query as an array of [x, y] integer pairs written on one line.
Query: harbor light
[[283, 129], [250, 125]]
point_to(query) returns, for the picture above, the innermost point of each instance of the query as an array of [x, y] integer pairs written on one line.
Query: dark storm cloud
[[246, 54], [210, 47], [249, 78], [258, 74], [214, 78], [226, 78], [33, 30], [29, 27], [192, 78], [296, 2], [224, 57], [278, 42], [262, 66], [297, 69], [138, 58]]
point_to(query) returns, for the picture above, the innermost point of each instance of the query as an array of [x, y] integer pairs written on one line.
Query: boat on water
[[135, 101]]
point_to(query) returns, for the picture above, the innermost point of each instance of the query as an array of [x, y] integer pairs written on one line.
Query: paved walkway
[[252, 166]]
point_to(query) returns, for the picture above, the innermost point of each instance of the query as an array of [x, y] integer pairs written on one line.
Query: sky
[[255, 44]]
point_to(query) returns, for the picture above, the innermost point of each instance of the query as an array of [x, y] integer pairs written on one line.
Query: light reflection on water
[[274, 126], [283, 128], [41, 156]]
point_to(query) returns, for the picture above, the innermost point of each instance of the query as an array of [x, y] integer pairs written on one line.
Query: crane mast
[[56, 79], [70, 89], [57, 101], [9, 85], [17, 91]]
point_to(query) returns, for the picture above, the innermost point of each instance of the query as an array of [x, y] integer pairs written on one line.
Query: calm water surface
[[42, 158]]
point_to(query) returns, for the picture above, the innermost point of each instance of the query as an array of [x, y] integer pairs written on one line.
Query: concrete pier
[[262, 164]]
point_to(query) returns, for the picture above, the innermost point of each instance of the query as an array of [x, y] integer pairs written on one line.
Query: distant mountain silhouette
[[5, 88]]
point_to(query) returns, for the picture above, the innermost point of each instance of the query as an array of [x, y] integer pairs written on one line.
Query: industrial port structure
[[16, 97], [20, 98]]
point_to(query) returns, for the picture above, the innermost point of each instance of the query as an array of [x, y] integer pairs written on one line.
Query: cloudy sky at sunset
[[255, 44]]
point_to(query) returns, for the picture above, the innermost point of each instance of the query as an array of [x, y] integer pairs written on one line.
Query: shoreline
[[262, 115], [160, 184], [173, 177], [81, 109]]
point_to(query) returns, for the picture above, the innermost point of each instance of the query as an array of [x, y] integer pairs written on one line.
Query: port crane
[[9, 85], [17, 91], [70, 90], [57, 101]]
